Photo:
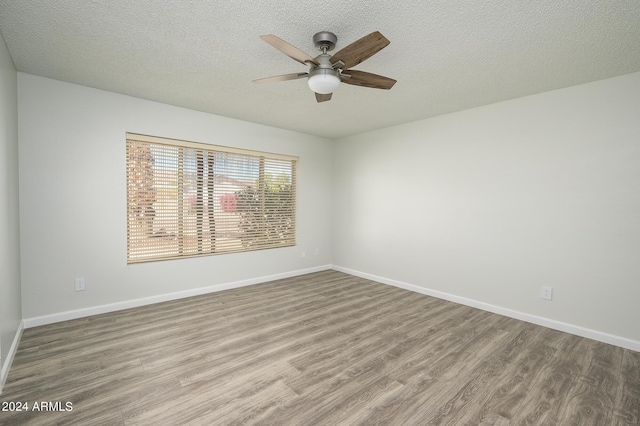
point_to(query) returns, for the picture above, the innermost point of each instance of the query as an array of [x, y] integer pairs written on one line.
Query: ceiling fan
[[327, 71]]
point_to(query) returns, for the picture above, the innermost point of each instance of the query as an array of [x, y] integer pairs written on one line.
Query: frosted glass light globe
[[323, 81]]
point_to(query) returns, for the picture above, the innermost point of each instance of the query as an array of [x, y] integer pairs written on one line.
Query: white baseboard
[[102, 309], [534, 319], [4, 370]]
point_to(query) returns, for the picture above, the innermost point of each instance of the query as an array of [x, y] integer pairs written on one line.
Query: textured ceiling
[[446, 55]]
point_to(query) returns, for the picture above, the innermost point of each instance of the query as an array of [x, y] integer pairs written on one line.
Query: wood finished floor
[[320, 349]]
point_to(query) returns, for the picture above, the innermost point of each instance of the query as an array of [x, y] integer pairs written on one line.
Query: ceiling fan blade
[[284, 77], [323, 98], [360, 50], [366, 79], [289, 50]]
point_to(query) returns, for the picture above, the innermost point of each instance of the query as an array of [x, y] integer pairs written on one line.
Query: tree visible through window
[[186, 199]]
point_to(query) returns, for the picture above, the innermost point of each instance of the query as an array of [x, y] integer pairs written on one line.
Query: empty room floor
[[320, 349]]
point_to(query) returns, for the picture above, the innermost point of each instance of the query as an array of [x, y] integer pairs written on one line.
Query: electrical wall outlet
[[303, 254], [317, 251], [80, 284], [546, 293]]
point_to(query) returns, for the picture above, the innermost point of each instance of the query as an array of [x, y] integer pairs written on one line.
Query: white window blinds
[[186, 199]]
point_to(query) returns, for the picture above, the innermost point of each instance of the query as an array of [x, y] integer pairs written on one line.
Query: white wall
[[10, 305], [492, 203], [73, 197], [487, 204]]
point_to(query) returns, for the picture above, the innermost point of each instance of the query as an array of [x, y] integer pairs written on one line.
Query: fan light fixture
[[324, 81]]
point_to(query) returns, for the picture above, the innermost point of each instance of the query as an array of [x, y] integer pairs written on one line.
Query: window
[[187, 199]]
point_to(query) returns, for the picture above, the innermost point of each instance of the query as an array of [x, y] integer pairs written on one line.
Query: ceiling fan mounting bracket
[[325, 41]]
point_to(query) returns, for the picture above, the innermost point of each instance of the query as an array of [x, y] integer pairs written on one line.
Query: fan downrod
[[325, 41]]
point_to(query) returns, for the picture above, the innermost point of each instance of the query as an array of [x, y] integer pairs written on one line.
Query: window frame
[[267, 235]]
